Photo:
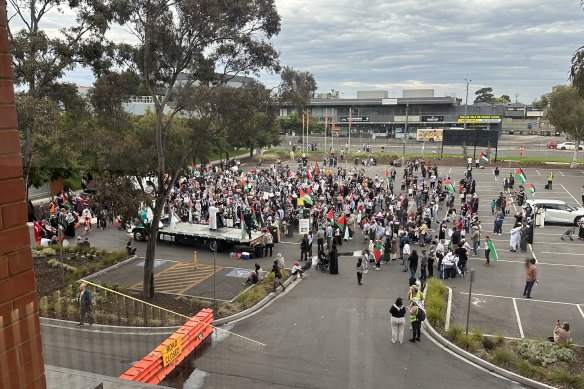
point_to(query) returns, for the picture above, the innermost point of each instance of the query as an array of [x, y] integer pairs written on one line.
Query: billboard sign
[[480, 119]]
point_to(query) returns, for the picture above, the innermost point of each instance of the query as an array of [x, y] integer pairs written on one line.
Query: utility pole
[[405, 136], [466, 101]]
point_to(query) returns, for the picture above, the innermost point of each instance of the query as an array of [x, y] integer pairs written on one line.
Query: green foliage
[[464, 151], [504, 358], [500, 339], [529, 370], [435, 316], [454, 332], [58, 264], [467, 342], [44, 306], [296, 88], [544, 352], [485, 95], [566, 112], [49, 252], [562, 377], [477, 335]]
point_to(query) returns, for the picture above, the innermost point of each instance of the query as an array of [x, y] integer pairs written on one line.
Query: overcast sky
[[519, 47]]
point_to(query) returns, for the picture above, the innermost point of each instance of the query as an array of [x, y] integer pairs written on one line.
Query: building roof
[[390, 101]]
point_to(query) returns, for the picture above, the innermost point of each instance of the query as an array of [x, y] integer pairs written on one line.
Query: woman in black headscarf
[[334, 259]]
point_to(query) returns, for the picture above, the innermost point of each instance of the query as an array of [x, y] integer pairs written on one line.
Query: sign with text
[[355, 119], [171, 351], [433, 118], [480, 119], [303, 226]]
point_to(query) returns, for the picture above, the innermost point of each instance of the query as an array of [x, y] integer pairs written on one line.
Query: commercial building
[[388, 117]]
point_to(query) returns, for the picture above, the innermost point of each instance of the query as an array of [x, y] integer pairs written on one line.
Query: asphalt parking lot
[[497, 305]]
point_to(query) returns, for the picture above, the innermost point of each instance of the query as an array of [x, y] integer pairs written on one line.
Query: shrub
[[435, 301], [489, 343], [435, 286], [49, 252], [38, 254], [435, 316], [562, 377], [477, 335], [500, 339], [57, 264], [454, 332], [504, 358], [44, 306], [467, 342], [543, 352], [529, 370]]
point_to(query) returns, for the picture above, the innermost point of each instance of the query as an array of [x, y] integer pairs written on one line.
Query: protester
[[85, 302], [530, 277], [398, 313]]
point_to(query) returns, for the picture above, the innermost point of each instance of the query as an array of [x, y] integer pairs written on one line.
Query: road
[[535, 146]]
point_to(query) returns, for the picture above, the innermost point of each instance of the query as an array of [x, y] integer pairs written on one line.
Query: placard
[[303, 226]]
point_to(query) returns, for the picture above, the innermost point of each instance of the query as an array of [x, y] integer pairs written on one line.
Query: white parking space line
[[563, 175], [514, 298], [538, 173], [580, 309], [540, 263], [518, 318], [567, 191], [558, 253]]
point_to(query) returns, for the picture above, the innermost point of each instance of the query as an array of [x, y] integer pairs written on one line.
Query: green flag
[[493, 250]]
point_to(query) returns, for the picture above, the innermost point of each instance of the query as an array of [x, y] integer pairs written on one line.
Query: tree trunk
[[574, 162], [27, 159], [251, 151]]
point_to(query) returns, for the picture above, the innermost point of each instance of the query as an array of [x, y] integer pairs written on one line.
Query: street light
[[466, 101], [405, 136]]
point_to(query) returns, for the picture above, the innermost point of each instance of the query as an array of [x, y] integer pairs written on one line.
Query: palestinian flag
[[448, 186], [243, 182], [484, 158], [341, 223], [493, 250], [244, 230], [529, 188], [520, 175], [331, 215], [377, 251], [386, 172]]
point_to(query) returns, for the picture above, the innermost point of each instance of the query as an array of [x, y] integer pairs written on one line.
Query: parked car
[[552, 144], [568, 146], [557, 211]]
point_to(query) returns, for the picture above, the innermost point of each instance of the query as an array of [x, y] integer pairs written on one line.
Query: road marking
[[518, 318], [514, 298], [539, 263], [538, 173], [179, 278], [570, 194], [556, 253], [532, 253], [449, 170], [580, 309], [563, 175]]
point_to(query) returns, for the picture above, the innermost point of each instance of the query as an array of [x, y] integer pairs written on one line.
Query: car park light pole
[[466, 101]]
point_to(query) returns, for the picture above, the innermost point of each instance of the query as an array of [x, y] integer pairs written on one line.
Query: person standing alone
[[530, 277], [85, 302], [398, 320], [550, 179]]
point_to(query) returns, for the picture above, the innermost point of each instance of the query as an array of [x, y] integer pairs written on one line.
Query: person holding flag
[[520, 174], [484, 158], [490, 250]]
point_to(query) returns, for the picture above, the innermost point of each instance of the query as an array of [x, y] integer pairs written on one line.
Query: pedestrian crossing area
[[179, 278]]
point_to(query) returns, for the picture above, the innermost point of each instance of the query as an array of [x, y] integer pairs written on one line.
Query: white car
[[557, 211], [568, 146]]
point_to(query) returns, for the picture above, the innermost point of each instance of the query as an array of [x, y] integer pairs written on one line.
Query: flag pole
[[302, 133], [350, 124], [325, 127]]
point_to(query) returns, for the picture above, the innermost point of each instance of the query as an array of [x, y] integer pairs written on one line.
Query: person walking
[[406, 255], [521, 151], [496, 173], [475, 234], [487, 250], [360, 268], [277, 276], [514, 238], [423, 266], [550, 179], [85, 301], [320, 239], [530, 277], [398, 320], [499, 218]]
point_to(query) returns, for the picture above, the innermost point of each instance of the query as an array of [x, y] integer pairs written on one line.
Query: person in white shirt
[[407, 251]]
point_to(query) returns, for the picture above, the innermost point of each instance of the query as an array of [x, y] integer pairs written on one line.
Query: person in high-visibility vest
[[521, 150], [550, 178]]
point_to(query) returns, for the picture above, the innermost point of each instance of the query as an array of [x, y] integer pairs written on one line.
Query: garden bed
[[57, 290], [560, 365]]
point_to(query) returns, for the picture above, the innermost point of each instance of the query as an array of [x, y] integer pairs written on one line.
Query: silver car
[[557, 211]]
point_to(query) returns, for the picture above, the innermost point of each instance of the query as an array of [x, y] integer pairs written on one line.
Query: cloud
[[519, 47]]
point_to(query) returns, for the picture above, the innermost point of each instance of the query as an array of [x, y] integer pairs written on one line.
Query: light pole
[[466, 101], [405, 136]]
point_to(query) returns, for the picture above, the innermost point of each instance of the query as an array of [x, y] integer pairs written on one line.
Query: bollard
[[195, 259]]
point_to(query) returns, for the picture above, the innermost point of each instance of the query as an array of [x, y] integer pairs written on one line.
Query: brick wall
[[21, 359]]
